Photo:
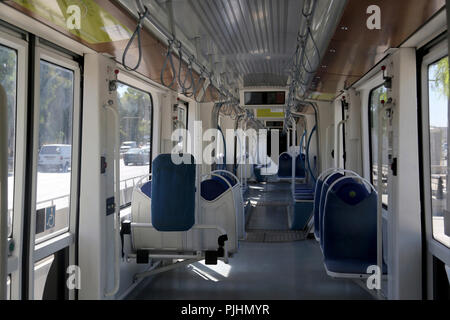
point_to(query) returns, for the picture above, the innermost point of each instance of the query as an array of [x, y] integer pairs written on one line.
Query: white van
[[56, 157]]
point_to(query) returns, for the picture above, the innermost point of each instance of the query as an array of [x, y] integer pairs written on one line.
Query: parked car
[[56, 157], [137, 156], [127, 145]]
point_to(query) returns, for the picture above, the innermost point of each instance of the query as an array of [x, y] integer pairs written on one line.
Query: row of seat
[[285, 166], [300, 216], [345, 223]]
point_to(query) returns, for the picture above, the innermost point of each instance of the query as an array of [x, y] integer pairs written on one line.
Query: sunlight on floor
[[211, 272]]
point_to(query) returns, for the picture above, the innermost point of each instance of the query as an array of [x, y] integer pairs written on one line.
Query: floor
[[260, 271], [287, 270]]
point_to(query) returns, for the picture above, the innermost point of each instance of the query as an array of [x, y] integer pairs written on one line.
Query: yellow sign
[[322, 96], [83, 18], [268, 113]]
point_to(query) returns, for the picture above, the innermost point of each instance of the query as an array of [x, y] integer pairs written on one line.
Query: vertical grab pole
[[3, 193], [117, 200], [379, 189], [294, 133], [338, 147]]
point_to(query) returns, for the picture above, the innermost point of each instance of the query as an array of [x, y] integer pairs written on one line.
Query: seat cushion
[[350, 266], [306, 196]]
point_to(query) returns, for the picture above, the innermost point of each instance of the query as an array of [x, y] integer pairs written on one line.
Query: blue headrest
[[351, 192], [173, 194], [147, 189], [211, 189]]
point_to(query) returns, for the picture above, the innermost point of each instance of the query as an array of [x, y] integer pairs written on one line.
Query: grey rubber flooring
[[259, 271], [268, 214]]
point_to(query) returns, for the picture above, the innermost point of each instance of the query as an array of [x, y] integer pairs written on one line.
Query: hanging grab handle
[[169, 59], [136, 33]]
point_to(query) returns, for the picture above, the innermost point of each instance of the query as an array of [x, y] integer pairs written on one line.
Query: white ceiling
[[249, 41]]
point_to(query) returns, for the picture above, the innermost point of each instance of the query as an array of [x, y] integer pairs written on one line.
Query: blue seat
[[285, 166], [300, 170], [318, 190], [147, 189], [349, 228], [325, 190], [213, 188], [319, 201], [173, 194]]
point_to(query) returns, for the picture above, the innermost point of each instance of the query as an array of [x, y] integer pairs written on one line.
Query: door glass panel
[[8, 79], [438, 88], [56, 105], [135, 112], [376, 96]]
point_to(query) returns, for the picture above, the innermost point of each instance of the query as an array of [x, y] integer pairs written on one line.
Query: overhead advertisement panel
[[82, 18]]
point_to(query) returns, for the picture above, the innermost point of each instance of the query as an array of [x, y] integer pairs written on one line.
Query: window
[[179, 117], [438, 94], [8, 80], [56, 105], [135, 112], [376, 96]]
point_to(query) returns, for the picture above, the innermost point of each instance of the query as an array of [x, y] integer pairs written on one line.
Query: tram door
[[435, 156], [43, 95]]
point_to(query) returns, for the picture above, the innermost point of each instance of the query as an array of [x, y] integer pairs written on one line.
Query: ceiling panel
[[241, 37], [354, 49]]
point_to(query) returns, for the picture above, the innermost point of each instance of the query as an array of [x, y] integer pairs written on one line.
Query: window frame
[[127, 82], [435, 247], [11, 234], [9, 39], [369, 112], [52, 56]]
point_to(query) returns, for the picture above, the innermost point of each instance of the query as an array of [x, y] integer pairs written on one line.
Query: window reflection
[[8, 80], [438, 92], [56, 102], [135, 111]]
